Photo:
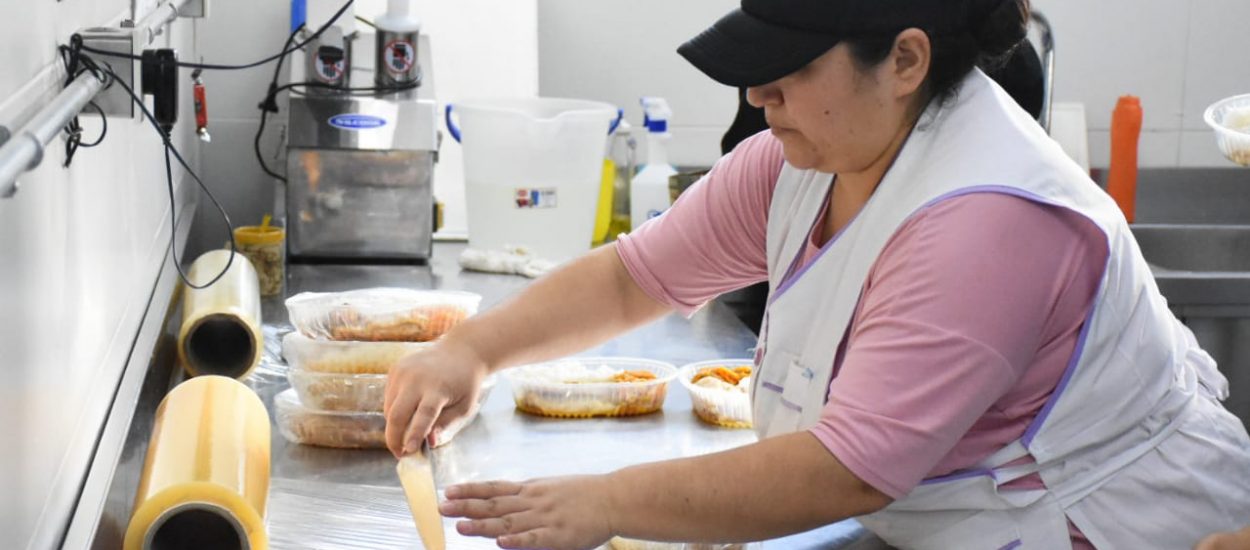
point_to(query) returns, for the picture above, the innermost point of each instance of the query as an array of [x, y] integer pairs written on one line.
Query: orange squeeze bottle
[[1122, 174]]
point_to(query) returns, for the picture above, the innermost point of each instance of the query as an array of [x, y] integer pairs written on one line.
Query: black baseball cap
[[764, 40]]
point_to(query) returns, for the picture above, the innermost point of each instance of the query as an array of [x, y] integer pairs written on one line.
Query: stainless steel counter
[[329, 498]]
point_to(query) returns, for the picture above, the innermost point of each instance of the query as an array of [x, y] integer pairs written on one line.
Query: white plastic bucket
[[532, 171]]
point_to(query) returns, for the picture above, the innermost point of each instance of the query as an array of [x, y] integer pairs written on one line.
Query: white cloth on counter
[[512, 260]]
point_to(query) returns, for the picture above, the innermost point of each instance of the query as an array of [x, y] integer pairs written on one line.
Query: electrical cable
[[73, 138], [73, 58], [219, 67], [77, 57], [350, 91], [270, 106], [169, 180], [73, 129]]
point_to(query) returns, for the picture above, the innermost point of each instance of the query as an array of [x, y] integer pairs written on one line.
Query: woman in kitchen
[[963, 347]]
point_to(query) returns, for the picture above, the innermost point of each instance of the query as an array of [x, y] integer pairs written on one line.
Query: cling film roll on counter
[[205, 479], [220, 331]]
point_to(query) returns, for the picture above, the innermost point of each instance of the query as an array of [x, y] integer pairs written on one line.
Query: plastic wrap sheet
[[220, 331], [205, 479], [272, 362], [315, 515]]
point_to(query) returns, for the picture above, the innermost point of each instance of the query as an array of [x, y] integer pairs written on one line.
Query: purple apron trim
[[960, 475], [779, 389], [791, 277], [1036, 425], [1012, 545]]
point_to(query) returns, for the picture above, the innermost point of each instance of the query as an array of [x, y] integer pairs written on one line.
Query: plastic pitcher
[[532, 171]]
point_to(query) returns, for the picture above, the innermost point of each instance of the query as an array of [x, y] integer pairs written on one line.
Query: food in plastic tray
[[380, 314], [591, 386], [302, 424], [347, 392], [332, 356], [345, 430], [720, 391]]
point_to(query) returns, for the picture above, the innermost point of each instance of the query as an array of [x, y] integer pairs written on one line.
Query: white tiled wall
[[79, 252], [619, 50], [1177, 55]]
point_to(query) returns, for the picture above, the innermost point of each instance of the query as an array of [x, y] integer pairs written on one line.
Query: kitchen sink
[[1199, 265], [1193, 227]]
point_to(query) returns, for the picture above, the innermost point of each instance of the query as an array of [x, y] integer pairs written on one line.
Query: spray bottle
[[649, 195], [396, 61]]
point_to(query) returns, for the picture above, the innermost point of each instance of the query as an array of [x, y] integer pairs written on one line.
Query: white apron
[[1133, 445]]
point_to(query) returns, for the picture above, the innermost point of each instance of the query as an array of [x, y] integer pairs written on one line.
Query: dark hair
[[987, 35]]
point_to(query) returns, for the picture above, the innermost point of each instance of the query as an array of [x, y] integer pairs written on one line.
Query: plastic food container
[[339, 392], [345, 430], [543, 389], [1230, 118], [332, 356], [730, 409], [380, 314], [300, 423], [348, 392]]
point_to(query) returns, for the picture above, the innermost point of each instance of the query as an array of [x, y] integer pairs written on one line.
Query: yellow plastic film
[[205, 479], [220, 331], [417, 478]]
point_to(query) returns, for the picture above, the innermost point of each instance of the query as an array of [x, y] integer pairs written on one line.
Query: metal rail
[[24, 150]]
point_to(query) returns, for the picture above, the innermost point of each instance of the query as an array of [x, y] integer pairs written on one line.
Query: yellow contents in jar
[[265, 246]]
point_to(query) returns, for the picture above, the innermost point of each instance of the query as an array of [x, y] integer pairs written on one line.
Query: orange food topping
[[730, 376], [633, 376]]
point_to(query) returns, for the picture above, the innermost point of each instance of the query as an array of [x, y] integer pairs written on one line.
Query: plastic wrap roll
[[220, 331], [205, 479]]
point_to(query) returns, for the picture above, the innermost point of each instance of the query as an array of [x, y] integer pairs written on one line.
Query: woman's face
[[833, 116]]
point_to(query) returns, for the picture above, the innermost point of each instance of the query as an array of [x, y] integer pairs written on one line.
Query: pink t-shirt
[[967, 321]]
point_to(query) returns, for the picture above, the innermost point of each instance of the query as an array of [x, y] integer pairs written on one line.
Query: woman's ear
[[909, 61]]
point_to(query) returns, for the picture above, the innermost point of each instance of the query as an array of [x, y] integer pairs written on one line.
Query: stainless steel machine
[[361, 146]]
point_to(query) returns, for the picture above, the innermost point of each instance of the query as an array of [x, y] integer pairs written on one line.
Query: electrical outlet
[[114, 100], [196, 9]]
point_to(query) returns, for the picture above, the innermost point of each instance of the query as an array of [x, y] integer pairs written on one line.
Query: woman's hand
[[428, 390], [562, 513], [1226, 541]]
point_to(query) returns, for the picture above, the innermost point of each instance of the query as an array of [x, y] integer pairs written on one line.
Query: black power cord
[[269, 105], [75, 59], [173, 207], [73, 130], [214, 66]]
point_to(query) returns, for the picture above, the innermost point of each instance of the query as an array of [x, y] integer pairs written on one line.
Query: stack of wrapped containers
[[341, 351]]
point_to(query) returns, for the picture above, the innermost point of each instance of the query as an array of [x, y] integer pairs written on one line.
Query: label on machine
[[354, 121]]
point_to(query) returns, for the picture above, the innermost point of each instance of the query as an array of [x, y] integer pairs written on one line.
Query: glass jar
[[265, 246]]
